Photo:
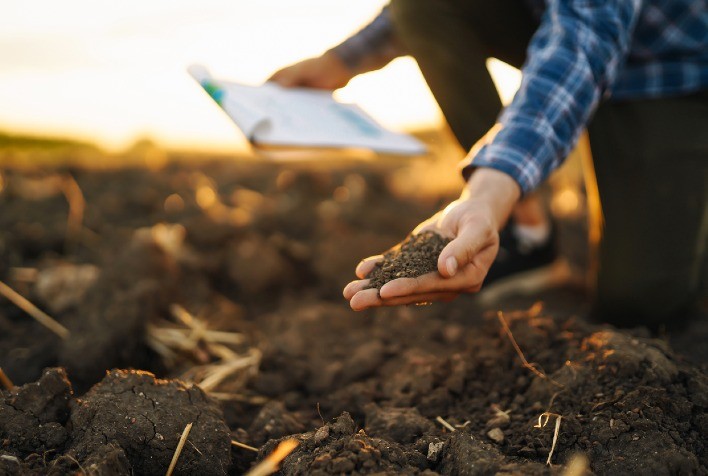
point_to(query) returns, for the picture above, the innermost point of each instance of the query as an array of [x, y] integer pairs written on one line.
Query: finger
[[276, 77], [365, 299], [354, 287], [469, 280], [402, 287], [284, 78], [462, 250], [367, 265], [420, 299], [287, 81]]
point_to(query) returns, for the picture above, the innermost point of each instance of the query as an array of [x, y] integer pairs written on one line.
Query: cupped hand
[[473, 223], [323, 72], [462, 265]]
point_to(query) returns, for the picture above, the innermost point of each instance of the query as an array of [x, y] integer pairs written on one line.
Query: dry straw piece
[[178, 450], [524, 362], [270, 464], [5, 380], [77, 205], [36, 313], [444, 423], [217, 373], [203, 345], [547, 416], [236, 397], [238, 444]]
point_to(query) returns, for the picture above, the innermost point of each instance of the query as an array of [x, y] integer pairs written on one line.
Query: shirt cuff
[[511, 160]]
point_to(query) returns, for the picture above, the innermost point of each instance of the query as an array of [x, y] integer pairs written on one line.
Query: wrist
[[496, 190], [337, 65]]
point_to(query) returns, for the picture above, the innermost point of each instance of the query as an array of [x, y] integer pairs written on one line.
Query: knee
[[656, 304]]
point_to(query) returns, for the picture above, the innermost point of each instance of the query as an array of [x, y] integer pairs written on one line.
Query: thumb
[[461, 251], [284, 78]]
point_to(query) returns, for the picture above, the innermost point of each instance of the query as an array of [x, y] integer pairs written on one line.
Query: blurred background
[[103, 85], [113, 73]]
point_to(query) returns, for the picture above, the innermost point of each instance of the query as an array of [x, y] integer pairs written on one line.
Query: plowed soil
[[264, 251]]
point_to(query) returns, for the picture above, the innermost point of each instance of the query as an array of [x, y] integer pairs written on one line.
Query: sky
[[114, 71]]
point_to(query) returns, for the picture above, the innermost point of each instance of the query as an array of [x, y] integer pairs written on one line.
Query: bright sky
[[113, 71]]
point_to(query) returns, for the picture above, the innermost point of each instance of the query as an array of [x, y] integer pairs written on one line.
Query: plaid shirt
[[583, 51]]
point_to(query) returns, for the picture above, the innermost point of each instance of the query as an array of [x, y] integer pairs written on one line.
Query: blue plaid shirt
[[582, 52]]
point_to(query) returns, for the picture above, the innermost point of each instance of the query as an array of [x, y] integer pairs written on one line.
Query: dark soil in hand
[[415, 256]]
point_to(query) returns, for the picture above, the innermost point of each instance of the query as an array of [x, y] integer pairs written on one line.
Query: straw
[[178, 450], [36, 313]]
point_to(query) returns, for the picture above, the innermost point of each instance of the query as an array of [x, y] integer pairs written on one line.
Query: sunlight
[[115, 72], [566, 202], [506, 78]]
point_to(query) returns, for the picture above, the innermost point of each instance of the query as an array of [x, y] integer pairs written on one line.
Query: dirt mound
[[33, 417], [616, 397], [106, 314], [338, 448], [108, 325], [128, 423]]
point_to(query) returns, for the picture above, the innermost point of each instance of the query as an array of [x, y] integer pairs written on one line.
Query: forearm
[[372, 48], [496, 191]]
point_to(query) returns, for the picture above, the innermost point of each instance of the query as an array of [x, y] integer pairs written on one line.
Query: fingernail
[[451, 265]]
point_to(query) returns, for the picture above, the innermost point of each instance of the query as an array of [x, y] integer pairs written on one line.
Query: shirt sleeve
[[376, 41], [572, 61]]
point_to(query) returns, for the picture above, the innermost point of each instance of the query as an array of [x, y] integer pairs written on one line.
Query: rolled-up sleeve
[[572, 62]]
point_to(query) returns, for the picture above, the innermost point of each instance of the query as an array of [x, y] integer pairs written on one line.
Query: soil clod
[[32, 416], [146, 417], [344, 450], [129, 423]]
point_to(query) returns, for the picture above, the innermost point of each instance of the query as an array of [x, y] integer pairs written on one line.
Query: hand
[[324, 72], [472, 222]]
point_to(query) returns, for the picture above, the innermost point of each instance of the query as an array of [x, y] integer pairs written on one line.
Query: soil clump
[[415, 256], [129, 423], [339, 448]]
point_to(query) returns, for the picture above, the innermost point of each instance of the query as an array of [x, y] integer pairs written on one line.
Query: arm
[[370, 49], [572, 62], [473, 222]]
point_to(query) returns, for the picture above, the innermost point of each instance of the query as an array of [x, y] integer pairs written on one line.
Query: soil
[[129, 423], [415, 256], [620, 396], [373, 392]]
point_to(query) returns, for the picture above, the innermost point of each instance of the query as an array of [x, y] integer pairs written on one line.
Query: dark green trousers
[[651, 163], [650, 156]]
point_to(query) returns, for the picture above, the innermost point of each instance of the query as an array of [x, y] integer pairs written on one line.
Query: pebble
[[434, 450], [496, 434]]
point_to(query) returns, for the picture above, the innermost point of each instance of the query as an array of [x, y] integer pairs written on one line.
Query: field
[[203, 301]]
